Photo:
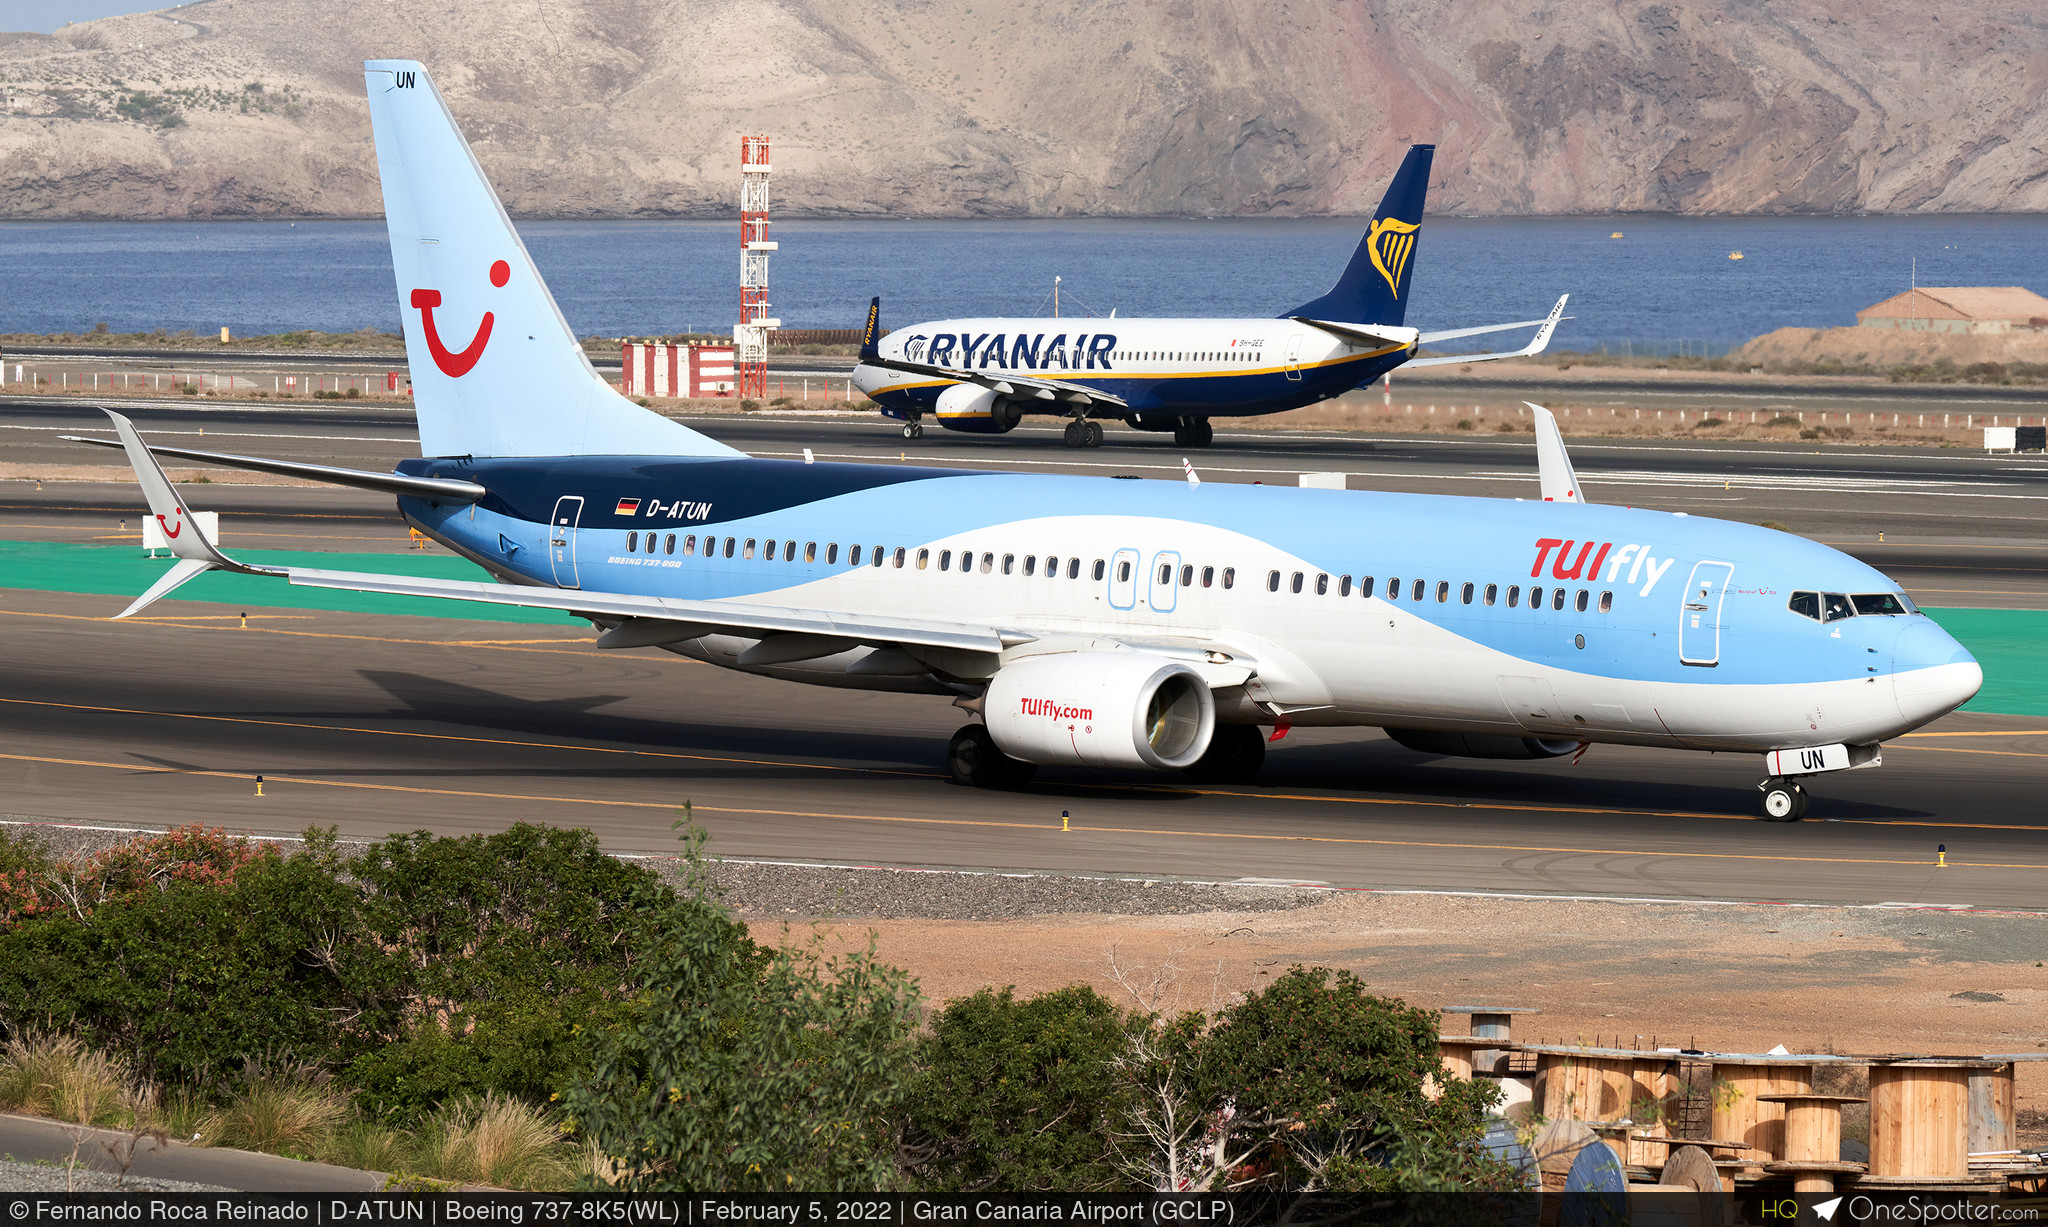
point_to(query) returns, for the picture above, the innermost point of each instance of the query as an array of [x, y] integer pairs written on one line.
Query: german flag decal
[[627, 506]]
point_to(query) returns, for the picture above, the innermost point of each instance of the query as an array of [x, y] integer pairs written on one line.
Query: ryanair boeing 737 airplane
[[983, 375], [1094, 622]]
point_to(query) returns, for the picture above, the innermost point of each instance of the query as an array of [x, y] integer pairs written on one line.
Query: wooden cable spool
[[1919, 1119], [1558, 1145], [1689, 1167]]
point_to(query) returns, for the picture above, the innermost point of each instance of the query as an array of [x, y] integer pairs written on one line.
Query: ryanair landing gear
[[1784, 800], [913, 429], [976, 762], [1083, 433], [1235, 754], [1193, 432]]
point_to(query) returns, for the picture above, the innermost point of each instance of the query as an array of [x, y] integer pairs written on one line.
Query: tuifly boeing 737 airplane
[[1086, 622], [982, 376]]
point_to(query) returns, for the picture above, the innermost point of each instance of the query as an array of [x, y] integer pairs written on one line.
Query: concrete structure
[[1975, 310]]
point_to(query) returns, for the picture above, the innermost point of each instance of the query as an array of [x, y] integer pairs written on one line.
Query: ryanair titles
[[1013, 351]]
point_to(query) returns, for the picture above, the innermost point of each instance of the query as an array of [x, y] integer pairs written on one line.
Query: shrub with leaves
[[1019, 1095], [748, 1069]]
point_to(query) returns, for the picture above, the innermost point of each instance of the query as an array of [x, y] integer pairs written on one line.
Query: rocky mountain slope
[[1049, 107]]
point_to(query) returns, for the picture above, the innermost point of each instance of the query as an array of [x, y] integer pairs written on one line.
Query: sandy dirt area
[[1735, 978]]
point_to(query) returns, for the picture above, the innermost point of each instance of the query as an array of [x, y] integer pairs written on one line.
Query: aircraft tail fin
[[1374, 287], [871, 336], [495, 369]]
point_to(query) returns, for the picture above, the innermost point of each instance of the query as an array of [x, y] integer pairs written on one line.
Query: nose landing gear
[[913, 429], [1784, 800]]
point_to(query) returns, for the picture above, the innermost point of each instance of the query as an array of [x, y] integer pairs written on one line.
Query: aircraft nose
[[1932, 673]]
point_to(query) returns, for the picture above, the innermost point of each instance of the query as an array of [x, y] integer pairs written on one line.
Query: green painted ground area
[[2012, 644], [126, 572]]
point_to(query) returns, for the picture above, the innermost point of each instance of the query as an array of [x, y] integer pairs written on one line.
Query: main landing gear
[[1193, 432], [1784, 800], [975, 761], [1083, 433]]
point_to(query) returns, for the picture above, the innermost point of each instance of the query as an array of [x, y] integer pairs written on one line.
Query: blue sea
[[1667, 284]]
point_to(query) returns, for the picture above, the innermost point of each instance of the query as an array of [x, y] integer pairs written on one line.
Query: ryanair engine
[[977, 410], [1101, 709]]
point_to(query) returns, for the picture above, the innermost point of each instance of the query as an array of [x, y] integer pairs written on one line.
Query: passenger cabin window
[[1098, 570], [988, 563], [1296, 586], [1230, 577], [1579, 603], [1187, 575], [1465, 594], [853, 556], [1606, 601], [832, 554], [1394, 589], [1009, 563], [1344, 585], [1322, 585], [1805, 604], [689, 545], [1123, 573], [1365, 586], [1535, 598], [632, 542], [1878, 603], [1165, 573], [1208, 577], [1834, 607], [902, 556], [924, 559], [1557, 598], [768, 551], [881, 556], [1514, 595], [1030, 564], [1492, 593], [748, 551], [650, 543], [1443, 591], [1272, 581], [1415, 594], [669, 546], [789, 552], [1052, 566], [810, 551]]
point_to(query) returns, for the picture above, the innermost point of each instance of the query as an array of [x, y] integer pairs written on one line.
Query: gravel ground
[[757, 890], [18, 1177]]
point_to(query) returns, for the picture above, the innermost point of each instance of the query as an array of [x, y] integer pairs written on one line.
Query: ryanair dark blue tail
[[870, 335], [1374, 287]]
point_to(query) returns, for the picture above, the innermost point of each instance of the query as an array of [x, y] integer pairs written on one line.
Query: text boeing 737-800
[[983, 375], [1088, 621]]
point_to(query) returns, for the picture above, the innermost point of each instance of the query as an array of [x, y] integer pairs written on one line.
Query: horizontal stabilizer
[[1536, 346], [389, 483], [1372, 336]]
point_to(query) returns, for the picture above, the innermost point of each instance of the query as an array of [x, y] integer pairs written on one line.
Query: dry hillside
[[1047, 107]]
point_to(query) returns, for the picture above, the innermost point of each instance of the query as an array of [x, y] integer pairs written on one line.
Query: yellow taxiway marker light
[[259, 785], [1063, 820], [1941, 856]]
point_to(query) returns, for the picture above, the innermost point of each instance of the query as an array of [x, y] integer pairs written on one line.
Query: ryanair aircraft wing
[[1023, 387], [1535, 346]]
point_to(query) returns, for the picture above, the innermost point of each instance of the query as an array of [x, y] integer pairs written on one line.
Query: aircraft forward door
[[1123, 579], [1161, 590], [1699, 620], [1294, 356], [562, 539]]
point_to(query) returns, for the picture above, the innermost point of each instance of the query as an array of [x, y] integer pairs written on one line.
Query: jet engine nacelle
[[977, 410], [1481, 745], [1101, 709]]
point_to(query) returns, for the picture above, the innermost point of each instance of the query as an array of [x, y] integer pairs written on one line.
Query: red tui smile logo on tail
[[457, 363]]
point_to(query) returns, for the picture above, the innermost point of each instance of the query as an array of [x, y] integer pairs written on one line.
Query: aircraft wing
[[1024, 387], [1535, 346]]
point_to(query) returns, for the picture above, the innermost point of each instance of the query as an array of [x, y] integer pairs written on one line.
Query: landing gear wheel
[[1091, 435], [911, 430], [1784, 801], [1074, 435], [1235, 754], [975, 761], [1200, 433]]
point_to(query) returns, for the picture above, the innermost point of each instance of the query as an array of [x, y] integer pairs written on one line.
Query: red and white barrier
[[676, 370]]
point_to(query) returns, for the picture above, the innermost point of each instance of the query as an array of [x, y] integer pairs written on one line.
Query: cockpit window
[[1834, 607], [1879, 603], [1805, 604]]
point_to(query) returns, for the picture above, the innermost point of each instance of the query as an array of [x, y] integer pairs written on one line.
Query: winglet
[[870, 349], [1553, 464], [196, 555]]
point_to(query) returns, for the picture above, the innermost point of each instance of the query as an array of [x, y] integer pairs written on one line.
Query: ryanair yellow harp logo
[[1390, 242]]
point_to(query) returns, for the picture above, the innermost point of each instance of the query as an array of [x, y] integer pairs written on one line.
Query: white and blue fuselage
[[1484, 616]]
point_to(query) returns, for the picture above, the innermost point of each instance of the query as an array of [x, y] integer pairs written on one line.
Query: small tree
[[1019, 1095]]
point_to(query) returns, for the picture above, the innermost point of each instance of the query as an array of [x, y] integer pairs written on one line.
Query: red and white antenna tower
[[750, 335]]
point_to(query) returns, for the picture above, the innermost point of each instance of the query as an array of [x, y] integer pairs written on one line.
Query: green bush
[[749, 1069], [1019, 1095]]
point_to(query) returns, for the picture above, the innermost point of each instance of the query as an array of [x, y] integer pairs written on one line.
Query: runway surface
[[377, 724], [384, 724]]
